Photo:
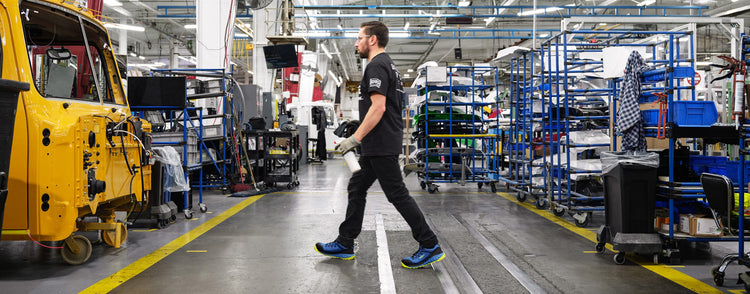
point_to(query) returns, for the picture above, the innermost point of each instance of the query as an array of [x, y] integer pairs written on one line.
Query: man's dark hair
[[378, 29]]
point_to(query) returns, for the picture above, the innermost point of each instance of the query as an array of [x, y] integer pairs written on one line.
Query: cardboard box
[[685, 223], [705, 227]]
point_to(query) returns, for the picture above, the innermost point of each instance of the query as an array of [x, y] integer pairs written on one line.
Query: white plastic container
[[351, 162]]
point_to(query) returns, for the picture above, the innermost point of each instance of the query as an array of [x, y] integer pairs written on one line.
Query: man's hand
[[347, 145]]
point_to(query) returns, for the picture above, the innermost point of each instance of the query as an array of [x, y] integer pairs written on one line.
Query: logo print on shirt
[[375, 83]]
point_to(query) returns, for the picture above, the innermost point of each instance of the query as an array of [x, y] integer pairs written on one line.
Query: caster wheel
[[521, 197], [203, 208], [188, 214], [718, 276], [289, 186], [479, 185], [173, 218], [558, 211], [296, 183], [620, 258], [599, 247], [541, 203], [493, 187], [109, 236], [655, 258], [583, 221], [432, 188], [423, 185], [76, 256]]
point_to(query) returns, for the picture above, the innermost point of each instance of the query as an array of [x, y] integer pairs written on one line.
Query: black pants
[[386, 170]]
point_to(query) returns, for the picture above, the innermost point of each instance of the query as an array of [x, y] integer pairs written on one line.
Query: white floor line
[[516, 272], [385, 272], [452, 264]]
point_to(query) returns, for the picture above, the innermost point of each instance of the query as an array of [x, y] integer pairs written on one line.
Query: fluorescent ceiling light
[[112, 3], [314, 34], [191, 26], [333, 76], [340, 28], [398, 34], [464, 3], [133, 54], [406, 26], [122, 11], [647, 2], [124, 27], [351, 34], [190, 59], [406, 75], [543, 35], [540, 11], [607, 3], [325, 49], [250, 72], [141, 57], [410, 70], [491, 20], [732, 11], [432, 27]]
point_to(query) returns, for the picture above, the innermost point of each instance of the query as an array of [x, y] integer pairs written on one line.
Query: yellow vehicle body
[[62, 142]]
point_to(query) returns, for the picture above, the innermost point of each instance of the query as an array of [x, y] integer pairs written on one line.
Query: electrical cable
[[40, 244]]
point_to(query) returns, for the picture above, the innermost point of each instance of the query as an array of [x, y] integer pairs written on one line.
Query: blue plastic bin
[[708, 164], [694, 113], [650, 117], [732, 171], [657, 75]]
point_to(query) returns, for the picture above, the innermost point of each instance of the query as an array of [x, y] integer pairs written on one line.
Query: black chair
[[719, 192]]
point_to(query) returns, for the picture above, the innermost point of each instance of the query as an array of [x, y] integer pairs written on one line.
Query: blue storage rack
[[463, 151]]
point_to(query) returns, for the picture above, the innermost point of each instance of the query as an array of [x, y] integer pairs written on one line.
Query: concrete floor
[[493, 245]]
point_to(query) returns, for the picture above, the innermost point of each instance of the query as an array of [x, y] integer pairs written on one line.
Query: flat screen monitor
[[156, 91], [280, 56]]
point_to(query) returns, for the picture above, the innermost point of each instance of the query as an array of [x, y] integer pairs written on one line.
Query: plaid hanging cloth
[[629, 119]]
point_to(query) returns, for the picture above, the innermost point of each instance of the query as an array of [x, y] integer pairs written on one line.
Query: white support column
[[214, 35], [261, 75], [213, 18], [123, 39]]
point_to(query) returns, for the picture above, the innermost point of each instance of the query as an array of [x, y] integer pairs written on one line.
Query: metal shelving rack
[[563, 71], [454, 137], [521, 146], [196, 126]]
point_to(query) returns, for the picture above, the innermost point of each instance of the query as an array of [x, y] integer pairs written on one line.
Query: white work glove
[[347, 145]]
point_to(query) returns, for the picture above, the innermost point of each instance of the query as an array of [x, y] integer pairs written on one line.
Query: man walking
[[380, 135]]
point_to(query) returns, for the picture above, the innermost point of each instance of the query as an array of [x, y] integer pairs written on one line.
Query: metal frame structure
[[473, 161]]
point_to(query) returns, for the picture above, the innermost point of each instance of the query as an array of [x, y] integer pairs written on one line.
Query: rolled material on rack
[[739, 92]]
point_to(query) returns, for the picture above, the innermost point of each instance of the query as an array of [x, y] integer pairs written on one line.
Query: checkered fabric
[[629, 119]]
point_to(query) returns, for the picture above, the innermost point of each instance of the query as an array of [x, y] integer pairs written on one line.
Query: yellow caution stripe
[[135, 268], [671, 274]]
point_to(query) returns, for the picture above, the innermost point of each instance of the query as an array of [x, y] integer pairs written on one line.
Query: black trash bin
[[629, 200], [8, 103]]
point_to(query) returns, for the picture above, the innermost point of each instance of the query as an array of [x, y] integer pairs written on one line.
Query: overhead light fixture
[[191, 26], [325, 49], [250, 72], [118, 26], [406, 26], [491, 20], [112, 3], [351, 34], [133, 54], [607, 3], [122, 11], [406, 75], [464, 3], [340, 28], [191, 59], [432, 27], [141, 57], [398, 34], [314, 34], [540, 11], [410, 70], [602, 24], [333, 76], [647, 2]]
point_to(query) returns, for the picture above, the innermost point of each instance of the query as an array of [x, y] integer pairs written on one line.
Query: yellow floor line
[[196, 251], [671, 274], [135, 268]]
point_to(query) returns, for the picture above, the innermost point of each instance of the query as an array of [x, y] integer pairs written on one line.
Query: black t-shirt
[[381, 76]]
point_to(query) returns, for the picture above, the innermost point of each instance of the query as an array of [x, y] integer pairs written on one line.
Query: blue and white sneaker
[[335, 249], [423, 257]]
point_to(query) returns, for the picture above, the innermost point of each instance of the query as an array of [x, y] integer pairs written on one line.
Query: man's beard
[[363, 54]]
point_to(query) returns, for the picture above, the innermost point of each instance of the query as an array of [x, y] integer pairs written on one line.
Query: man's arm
[[372, 117]]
